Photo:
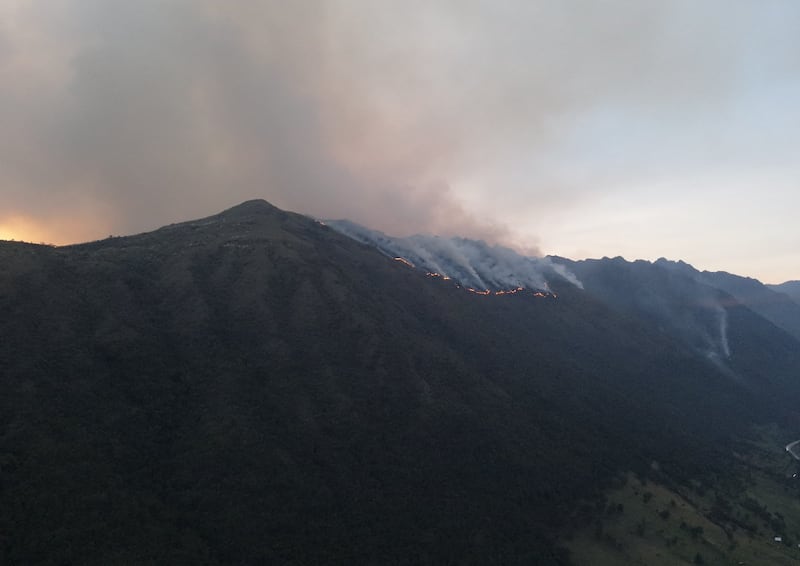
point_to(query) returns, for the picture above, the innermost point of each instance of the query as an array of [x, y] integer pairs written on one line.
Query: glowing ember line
[[510, 291], [404, 260], [477, 292], [434, 274], [485, 292]]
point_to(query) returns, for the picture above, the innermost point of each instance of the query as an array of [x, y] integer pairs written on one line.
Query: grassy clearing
[[642, 522]]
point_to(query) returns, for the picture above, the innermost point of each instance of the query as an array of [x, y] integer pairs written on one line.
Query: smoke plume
[[472, 263], [490, 120]]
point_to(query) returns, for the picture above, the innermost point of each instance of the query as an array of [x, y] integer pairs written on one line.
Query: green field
[[734, 521]]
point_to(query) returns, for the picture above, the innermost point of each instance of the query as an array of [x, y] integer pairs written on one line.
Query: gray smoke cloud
[[409, 117]]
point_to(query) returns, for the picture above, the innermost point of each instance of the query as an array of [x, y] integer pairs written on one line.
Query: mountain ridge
[[789, 288], [255, 387]]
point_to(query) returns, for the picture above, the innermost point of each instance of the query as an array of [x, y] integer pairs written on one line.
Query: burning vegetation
[[542, 294], [405, 261]]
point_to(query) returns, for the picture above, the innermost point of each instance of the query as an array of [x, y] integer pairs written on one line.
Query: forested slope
[[256, 388]]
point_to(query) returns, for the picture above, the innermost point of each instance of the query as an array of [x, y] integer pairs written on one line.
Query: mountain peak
[[250, 207], [679, 266]]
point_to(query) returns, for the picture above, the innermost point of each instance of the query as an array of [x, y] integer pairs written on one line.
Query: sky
[[582, 128]]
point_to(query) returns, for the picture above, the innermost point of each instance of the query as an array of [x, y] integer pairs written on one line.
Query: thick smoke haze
[[578, 128], [136, 114]]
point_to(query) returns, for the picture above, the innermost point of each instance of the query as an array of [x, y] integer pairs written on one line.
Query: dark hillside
[[791, 289], [776, 307], [254, 388], [735, 332]]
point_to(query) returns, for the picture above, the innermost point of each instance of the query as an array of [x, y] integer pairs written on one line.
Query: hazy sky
[[576, 127]]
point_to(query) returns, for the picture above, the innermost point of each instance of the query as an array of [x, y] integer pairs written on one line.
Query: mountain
[[790, 289], [479, 266], [701, 311], [694, 307], [256, 388], [751, 293]]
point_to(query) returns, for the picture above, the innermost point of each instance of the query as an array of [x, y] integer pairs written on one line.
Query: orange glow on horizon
[[20, 229], [59, 231]]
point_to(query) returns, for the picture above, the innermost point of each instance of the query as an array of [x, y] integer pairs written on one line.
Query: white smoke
[[794, 449], [473, 263], [565, 273], [723, 331]]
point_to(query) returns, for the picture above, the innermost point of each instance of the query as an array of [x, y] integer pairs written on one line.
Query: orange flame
[[538, 294]]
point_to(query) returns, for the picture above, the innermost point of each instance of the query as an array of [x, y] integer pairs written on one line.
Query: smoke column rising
[[723, 331]]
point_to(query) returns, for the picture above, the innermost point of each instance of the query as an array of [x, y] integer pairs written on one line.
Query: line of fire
[[540, 294]]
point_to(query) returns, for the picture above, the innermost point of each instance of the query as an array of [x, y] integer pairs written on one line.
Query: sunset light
[[60, 230], [20, 229]]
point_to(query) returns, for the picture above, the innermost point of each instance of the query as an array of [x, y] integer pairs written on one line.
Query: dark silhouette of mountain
[[256, 388]]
